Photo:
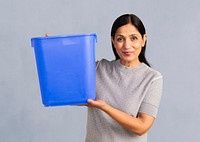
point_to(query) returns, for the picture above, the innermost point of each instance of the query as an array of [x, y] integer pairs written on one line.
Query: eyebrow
[[129, 35]]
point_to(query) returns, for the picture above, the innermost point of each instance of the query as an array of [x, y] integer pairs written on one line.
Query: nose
[[127, 44]]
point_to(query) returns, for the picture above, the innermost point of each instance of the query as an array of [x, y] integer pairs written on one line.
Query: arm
[[138, 125]]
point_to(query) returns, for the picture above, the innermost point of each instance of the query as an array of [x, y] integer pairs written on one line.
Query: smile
[[127, 53]]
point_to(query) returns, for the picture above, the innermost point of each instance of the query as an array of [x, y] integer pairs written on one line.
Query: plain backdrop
[[173, 49]]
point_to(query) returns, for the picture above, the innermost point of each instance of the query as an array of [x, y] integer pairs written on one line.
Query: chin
[[128, 59]]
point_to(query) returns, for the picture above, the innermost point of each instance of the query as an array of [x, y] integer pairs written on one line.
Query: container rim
[[64, 36]]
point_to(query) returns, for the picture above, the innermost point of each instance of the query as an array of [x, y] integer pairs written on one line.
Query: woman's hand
[[96, 103], [138, 125]]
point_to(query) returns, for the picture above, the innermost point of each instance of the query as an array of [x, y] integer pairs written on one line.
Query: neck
[[130, 64]]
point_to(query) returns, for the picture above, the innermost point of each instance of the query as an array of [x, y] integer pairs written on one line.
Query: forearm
[[133, 124], [138, 125]]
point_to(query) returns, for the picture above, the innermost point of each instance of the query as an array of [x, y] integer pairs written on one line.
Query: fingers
[[89, 101], [46, 34], [92, 102], [96, 103]]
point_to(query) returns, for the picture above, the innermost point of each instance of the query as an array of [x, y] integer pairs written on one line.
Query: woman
[[128, 90]]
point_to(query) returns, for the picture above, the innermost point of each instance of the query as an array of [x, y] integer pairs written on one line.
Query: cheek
[[118, 50], [138, 51], [118, 45], [138, 44]]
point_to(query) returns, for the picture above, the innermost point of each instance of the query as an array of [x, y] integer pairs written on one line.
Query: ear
[[144, 40]]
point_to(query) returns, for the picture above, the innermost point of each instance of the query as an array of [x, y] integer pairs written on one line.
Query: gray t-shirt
[[129, 89]]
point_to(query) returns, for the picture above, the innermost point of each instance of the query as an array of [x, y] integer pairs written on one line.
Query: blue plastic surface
[[66, 68]]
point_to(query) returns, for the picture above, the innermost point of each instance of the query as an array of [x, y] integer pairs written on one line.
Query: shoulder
[[104, 63], [153, 73]]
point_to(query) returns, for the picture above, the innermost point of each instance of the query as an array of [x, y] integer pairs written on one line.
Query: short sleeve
[[97, 64], [151, 101]]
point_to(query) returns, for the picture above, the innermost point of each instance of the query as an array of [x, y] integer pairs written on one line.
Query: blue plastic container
[[66, 68]]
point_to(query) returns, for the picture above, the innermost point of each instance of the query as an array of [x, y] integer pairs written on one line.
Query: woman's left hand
[[96, 103], [138, 125]]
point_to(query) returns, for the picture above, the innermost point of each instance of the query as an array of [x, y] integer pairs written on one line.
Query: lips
[[127, 53]]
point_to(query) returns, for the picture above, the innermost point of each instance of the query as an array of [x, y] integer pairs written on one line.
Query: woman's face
[[128, 43]]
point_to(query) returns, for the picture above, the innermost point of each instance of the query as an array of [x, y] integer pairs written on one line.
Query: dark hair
[[126, 19]]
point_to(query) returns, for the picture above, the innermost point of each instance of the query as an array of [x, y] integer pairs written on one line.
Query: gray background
[[173, 49]]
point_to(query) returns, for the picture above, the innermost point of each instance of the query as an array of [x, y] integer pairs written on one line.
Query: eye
[[134, 38], [120, 39]]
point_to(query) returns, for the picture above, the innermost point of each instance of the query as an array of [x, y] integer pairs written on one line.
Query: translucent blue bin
[[66, 68]]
